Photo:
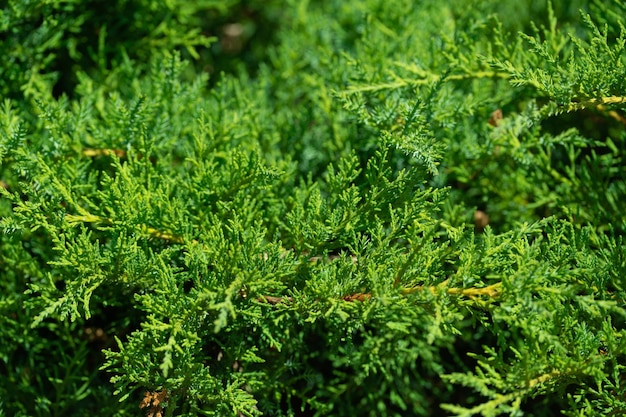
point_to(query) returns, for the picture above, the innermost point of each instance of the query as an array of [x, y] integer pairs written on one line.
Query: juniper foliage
[[309, 237]]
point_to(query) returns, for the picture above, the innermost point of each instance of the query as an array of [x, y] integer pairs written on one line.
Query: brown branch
[[357, 297], [154, 402]]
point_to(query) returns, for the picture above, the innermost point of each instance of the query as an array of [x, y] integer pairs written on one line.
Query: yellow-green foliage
[[337, 208]]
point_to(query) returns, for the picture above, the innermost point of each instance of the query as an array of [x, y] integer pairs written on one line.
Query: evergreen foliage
[[372, 208]]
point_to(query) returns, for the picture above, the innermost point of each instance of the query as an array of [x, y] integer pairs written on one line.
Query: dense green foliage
[[346, 208]]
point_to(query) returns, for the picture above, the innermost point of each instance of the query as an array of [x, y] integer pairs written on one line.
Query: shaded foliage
[[378, 208]]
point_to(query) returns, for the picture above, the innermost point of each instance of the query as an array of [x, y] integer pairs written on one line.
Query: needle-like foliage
[[391, 208]]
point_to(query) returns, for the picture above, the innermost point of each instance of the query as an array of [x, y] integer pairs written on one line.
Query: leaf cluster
[[303, 237]]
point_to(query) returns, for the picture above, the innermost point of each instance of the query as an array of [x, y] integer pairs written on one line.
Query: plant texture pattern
[[376, 208]]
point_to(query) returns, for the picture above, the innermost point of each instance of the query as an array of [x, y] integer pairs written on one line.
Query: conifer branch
[[90, 152], [144, 229], [427, 79], [491, 291], [153, 232], [598, 103], [72, 219], [544, 378], [501, 399], [288, 248]]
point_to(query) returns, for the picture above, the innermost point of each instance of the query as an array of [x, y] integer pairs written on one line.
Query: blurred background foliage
[[303, 68]]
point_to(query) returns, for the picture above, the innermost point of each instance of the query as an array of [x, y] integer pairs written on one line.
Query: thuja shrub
[[49, 44], [395, 209]]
